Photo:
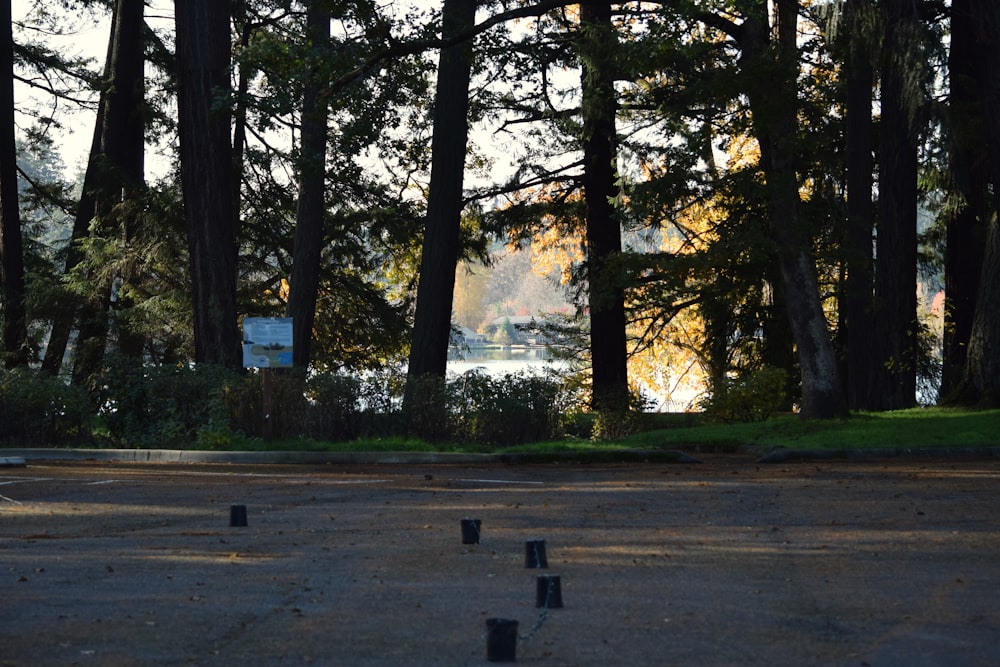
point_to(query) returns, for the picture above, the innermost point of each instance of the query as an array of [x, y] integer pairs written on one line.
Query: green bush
[[37, 409], [506, 410], [334, 407], [166, 406], [426, 414], [751, 397]]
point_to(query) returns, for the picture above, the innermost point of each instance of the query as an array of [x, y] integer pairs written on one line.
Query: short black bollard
[[470, 531], [237, 515], [501, 640], [534, 554], [548, 591]]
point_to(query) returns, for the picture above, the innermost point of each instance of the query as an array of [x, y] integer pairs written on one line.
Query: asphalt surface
[[724, 562]]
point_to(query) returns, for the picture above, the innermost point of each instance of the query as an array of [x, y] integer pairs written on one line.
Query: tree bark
[[203, 89], [309, 215], [770, 76], [894, 344], [606, 294], [436, 287], [118, 165], [858, 240], [982, 374], [13, 290], [983, 363], [966, 228]]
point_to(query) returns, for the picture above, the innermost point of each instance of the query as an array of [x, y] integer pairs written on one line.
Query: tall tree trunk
[[203, 88], [982, 375], [13, 290], [311, 205], [860, 213], [779, 345], [245, 26], [606, 295], [966, 228], [983, 363], [894, 344], [119, 164], [771, 87], [86, 209], [62, 323], [436, 287], [125, 148]]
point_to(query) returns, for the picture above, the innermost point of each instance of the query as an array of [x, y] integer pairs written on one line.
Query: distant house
[[521, 322], [467, 336], [525, 326]]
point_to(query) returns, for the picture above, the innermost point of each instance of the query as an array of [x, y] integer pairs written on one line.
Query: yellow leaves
[[669, 368], [553, 251], [742, 151]]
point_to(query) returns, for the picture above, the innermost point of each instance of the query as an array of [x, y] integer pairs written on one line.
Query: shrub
[[426, 414], [506, 410], [166, 406], [38, 409], [334, 407], [752, 397]]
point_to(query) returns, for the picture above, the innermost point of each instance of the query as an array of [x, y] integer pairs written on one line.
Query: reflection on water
[[498, 353]]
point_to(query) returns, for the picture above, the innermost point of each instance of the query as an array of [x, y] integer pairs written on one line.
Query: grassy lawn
[[921, 427]]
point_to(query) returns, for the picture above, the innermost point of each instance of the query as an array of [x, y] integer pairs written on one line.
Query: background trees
[[708, 171]]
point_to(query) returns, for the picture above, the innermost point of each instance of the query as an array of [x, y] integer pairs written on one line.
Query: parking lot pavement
[[727, 562]]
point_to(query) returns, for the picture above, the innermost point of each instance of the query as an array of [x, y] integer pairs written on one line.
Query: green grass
[[921, 427], [362, 445]]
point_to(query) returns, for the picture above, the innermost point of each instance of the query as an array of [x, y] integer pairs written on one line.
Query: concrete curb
[[20, 457], [917, 453], [342, 458]]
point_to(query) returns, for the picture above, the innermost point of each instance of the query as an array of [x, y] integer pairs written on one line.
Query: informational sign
[[267, 342]]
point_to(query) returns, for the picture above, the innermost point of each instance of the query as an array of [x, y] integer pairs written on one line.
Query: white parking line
[[497, 481]]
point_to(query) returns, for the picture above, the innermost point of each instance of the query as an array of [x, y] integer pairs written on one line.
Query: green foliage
[[334, 402], [328, 407], [507, 410], [613, 424], [38, 409], [426, 413], [752, 397], [166, 406], [915, 428]]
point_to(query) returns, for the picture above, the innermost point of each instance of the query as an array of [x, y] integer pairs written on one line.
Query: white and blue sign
[[267, 342]]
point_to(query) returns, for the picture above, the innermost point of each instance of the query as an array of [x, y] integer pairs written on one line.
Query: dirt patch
[[724, 562]]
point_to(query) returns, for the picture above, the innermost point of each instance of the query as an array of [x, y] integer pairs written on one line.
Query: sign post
[[267, 344]]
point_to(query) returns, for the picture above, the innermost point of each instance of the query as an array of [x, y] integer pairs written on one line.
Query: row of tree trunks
[[769, 72]]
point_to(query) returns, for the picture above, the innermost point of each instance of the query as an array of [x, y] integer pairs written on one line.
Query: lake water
[[511, 360], [500, 361]]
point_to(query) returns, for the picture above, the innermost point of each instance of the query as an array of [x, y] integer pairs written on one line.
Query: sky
[[85, 36]]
